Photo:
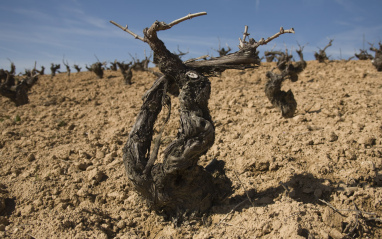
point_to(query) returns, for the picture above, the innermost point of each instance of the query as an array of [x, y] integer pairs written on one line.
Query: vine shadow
[[305, 188]]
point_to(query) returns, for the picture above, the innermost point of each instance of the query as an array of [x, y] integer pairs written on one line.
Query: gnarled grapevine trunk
[[179, 184], [17, 92], [285, 101]]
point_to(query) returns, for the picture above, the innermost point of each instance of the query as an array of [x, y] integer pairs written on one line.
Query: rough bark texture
[[179, 184], [245, 58]]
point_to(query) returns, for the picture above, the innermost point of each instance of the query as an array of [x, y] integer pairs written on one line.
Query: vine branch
[[188, 17], [161, 25], [128, 31], [244, 44]]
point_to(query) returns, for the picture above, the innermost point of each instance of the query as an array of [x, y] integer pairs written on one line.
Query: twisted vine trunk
[[17, 92], [283, 100], [177, 184]]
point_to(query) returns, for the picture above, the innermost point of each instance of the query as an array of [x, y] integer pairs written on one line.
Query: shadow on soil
[[303, 188]]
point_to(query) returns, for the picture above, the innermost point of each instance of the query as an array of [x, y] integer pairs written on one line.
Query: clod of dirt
[[26, 210], [83, 192], [367, 141], [332, 218], [332, 137], [31, 157], [96, 175], [82, 166]]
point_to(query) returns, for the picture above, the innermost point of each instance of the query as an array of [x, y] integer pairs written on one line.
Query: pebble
[[55, 191], [121, 224], [332, 137], [350, 155], [276, 224], [96, 175], [71, 127], [100, 154], [299, 118], [117, 195], [82, 166], [83, 192], [101, 235], [37, 202], [28, 209], [334, 233], [31, 158], [84, 154], [262, 166], [108, 158], [8, 133], [367, 140]]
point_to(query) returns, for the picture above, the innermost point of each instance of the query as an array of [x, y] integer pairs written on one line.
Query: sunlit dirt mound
[[316, 175]]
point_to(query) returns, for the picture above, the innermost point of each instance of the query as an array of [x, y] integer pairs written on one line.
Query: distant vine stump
[[363, 55], [54, 68], [41, 72], [4, 73], [78, 69], [377, 61], [126, 70], [113, 65], [67, 67], [321, 54], [179, 185], [285, 101], [97, 69], [17, 91]]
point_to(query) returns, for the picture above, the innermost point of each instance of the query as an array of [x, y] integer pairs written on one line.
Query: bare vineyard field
[[316, 175]]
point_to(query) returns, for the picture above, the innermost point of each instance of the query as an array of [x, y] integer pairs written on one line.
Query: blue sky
[[48, 31]]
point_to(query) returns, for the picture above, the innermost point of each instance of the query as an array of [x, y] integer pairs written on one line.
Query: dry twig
[[245, 190], [230, 212]]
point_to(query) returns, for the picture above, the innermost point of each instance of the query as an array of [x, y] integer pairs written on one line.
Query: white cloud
[[346, 5], [257, 5]]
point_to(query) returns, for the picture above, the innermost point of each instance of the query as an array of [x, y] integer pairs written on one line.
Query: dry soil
[[316, 175]]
